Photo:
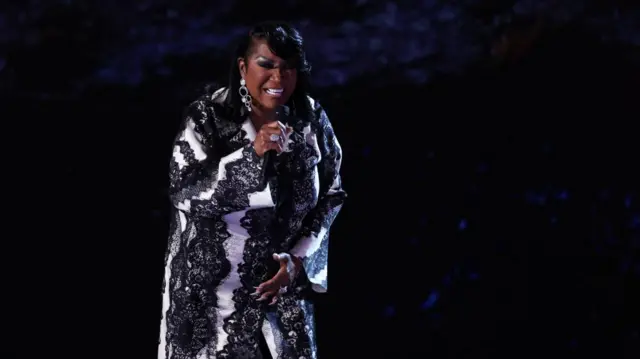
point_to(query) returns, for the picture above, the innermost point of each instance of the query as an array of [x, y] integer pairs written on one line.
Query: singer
[[255, 187]]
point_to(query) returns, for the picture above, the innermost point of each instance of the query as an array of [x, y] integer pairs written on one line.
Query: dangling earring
[[244, 94]]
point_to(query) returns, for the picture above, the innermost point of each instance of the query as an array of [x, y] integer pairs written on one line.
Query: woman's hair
[[286, 42]]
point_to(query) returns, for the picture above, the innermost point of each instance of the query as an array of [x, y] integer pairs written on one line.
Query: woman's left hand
[[274, 287]]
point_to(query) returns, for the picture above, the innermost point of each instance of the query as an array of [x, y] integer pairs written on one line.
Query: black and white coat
[[228, 221]]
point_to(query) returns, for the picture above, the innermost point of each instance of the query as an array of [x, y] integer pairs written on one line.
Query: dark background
[[491, 157]]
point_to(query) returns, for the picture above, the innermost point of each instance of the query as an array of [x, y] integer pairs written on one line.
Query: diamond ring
[[274, 138]]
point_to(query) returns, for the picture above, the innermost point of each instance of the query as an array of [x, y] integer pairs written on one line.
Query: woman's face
[[269, 79]]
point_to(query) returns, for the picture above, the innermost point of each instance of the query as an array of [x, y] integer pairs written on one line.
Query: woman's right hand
[[263, 142]]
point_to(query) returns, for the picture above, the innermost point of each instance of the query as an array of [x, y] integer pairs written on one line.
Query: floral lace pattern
[[215, 174]]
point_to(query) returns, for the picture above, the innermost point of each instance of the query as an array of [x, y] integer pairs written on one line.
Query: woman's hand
[[274, 287], [272, 136]]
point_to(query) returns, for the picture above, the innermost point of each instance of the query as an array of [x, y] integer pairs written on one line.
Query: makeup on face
[[270, 79], [275, 89], [271, 64]]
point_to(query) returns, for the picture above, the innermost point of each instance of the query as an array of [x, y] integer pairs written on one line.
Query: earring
[[244, 94]]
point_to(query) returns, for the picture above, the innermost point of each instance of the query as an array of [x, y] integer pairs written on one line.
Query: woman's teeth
[[274, 92]]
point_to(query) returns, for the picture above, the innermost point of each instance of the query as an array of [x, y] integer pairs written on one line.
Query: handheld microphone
[[268, 162], [269, 156]]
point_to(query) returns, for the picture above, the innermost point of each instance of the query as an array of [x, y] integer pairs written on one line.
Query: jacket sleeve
[[313, 244], [202, 182]]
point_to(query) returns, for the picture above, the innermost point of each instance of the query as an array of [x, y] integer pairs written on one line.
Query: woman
[[249, 234]]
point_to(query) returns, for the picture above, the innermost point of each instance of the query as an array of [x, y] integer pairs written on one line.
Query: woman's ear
[[242, 66]]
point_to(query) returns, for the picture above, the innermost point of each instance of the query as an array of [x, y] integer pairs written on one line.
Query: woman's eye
[[266, 65]]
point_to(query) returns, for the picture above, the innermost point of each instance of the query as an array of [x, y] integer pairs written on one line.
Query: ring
[[274, 138]]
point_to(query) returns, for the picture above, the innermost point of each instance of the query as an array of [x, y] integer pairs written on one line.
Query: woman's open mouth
[[275, 92]]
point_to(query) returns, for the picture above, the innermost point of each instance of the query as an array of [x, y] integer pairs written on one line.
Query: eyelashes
[[270, 65], [266, 65]]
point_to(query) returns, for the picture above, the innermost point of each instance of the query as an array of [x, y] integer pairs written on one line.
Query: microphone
[[269, 156], [268, 162]]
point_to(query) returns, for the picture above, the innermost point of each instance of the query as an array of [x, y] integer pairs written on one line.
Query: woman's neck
[[259, 117]]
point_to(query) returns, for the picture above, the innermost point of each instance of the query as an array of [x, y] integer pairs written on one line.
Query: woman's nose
[[277, 74]]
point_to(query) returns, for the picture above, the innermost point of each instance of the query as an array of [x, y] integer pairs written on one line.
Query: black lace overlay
[[295, 317], [197, 268], [244, 325], [314, 209], [191, 177], [214, 174]]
